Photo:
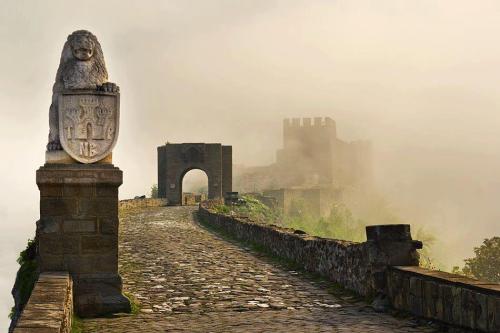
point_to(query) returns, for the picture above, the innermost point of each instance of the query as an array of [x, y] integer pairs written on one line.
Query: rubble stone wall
[[142, 203], [356, 266], [50, 307]]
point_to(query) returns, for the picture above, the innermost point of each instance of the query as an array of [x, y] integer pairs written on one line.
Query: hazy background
[[418, 78]]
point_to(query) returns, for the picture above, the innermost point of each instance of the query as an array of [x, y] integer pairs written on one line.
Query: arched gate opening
[[194, 187]]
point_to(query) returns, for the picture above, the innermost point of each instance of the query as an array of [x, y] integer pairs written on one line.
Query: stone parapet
[[143, 203], [357, 266], [446, 297], [50, 306], [375, 268]]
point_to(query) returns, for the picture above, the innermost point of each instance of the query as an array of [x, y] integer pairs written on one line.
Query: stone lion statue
[[81, 67]]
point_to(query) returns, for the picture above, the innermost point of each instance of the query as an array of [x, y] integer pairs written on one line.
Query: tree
[[486, 264]]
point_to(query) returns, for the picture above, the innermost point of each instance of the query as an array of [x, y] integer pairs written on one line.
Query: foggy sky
[[420, 79]]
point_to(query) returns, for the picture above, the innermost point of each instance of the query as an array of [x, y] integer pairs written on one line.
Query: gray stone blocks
[[78, 232], [446, 297], [175, 160]]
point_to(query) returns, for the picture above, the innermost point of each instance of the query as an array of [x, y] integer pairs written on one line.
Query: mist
[[419, 79]]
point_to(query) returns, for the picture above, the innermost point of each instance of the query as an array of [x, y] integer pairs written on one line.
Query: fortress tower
[[313, 155]]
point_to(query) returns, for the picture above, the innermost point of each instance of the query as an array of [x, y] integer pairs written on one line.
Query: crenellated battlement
[[308, 122]]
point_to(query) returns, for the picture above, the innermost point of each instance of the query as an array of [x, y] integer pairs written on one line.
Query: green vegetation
[[12, 312], [134, 303], [342, 223], [154, 191], [486, 264], [76, 324], [426, 261], [252, 208], [26, 275]]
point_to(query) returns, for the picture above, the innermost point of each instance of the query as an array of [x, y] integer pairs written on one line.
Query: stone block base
[[100, 294], [78, 232]]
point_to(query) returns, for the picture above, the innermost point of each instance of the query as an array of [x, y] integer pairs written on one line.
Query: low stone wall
[[50, 307], [374, 268], [142, 203], [449, 298], [357, 266]]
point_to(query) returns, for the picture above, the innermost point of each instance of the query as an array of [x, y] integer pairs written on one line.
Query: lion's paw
[[109, 87], [54, 145]]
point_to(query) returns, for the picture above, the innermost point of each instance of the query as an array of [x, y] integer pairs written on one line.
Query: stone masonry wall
[[356, 266], [50, 307], [78, 233], [449, 298], [142, 203]]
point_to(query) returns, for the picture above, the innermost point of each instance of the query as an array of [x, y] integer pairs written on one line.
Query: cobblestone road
[[188, 279]]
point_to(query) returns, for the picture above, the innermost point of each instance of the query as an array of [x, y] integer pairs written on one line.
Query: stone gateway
[[175, 160]]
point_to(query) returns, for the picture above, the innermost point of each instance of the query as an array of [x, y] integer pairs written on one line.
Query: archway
[[175, 160], [194, 187]]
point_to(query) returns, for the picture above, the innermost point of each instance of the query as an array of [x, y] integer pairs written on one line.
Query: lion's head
[[82, 63]]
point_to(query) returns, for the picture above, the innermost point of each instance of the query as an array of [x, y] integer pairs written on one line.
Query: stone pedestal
[[78, 232], [389, 245]]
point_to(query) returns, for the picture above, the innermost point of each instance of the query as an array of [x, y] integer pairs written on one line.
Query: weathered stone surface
[[357, 266], [81, 68], [447, 297], [493, 313], [50, 306], [80, 225], [188, 279], [430, 296], [143, 203], [78, 232], [62, 157], [390, 232], [175, 160], [88, 124]]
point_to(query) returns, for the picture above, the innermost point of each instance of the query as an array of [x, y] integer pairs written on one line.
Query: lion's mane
[[75, 74]]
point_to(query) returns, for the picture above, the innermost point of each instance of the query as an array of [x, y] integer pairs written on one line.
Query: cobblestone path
[[188, 279]]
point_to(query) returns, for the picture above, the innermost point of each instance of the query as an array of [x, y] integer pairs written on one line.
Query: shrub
[[486, 264], [154, 191], [26, 277]]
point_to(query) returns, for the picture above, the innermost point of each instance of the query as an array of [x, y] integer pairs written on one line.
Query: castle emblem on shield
[[88, 124]]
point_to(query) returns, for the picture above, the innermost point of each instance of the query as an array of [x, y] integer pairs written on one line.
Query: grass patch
[[252, 208], [76, 324], [135, 306], [128, 267]]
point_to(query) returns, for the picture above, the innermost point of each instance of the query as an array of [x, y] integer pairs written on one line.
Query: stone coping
[[142, 203], [463, 281], [50, 306]]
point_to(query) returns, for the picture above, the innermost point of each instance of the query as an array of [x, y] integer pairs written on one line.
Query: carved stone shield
[[88, 124]]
